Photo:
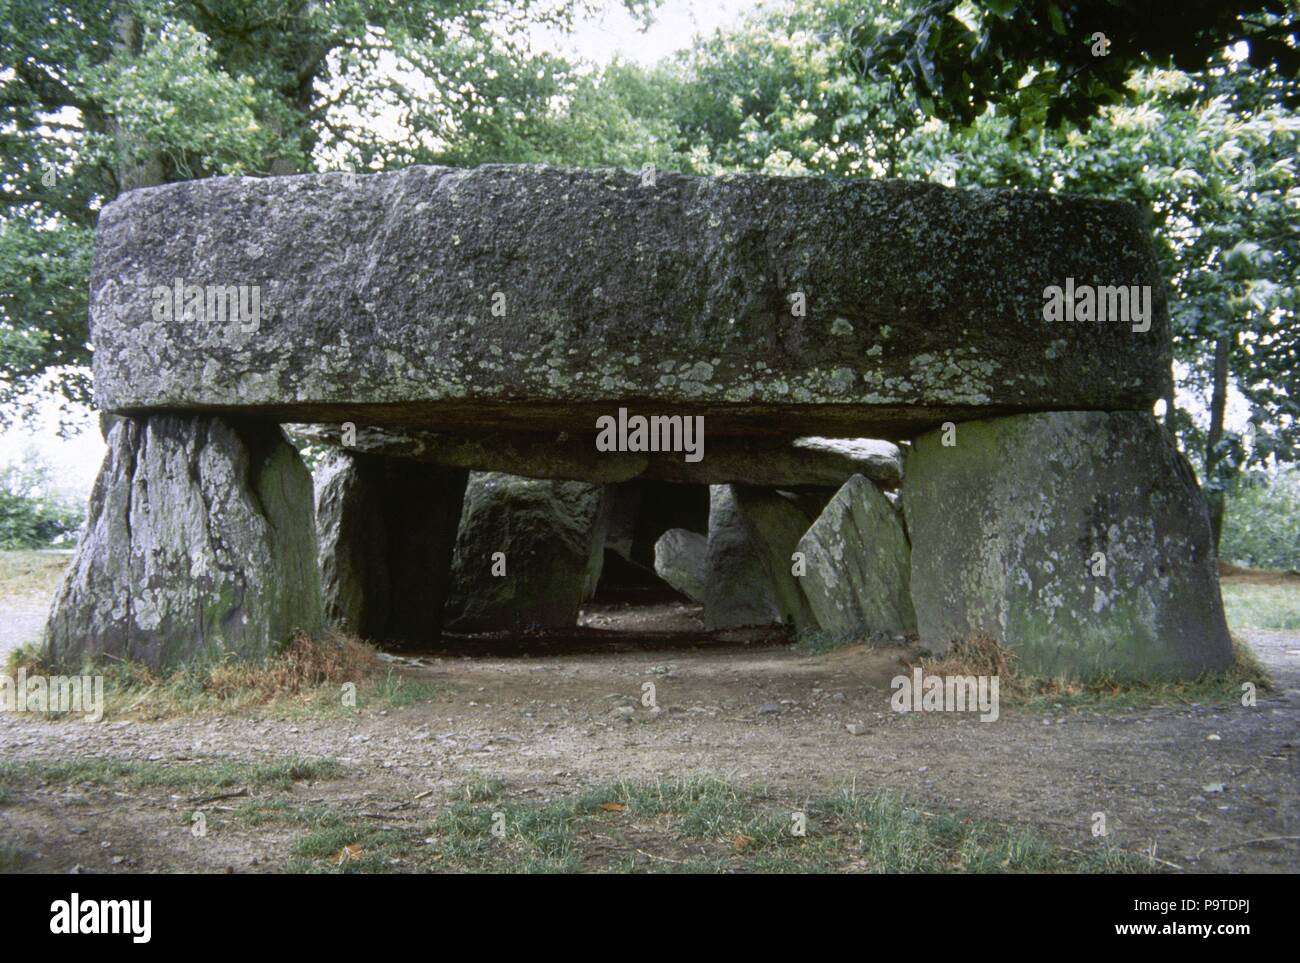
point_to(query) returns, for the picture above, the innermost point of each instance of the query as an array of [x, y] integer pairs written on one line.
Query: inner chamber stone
[[387, 528]]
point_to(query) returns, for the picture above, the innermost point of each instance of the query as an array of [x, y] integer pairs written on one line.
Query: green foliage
[[1051, 63], [100, 98], [32, 513], [1262, 527], [773, 95]]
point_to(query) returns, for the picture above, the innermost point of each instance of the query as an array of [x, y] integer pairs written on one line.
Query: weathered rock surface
[[530, 298], [386, 528], [199, 544], [547, 455], [1080, 540], [776, 463], [552, 535], [858, 565], [773, 462], [682, 560], [753, 533]]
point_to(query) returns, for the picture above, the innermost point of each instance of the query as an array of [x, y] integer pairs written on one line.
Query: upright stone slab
[[551, 540], [386, 528], [858, 565], [537, 299], [753, 533], [682, 560], [1079, 539], [199, 544]]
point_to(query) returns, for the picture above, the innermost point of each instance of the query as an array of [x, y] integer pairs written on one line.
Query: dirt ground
[[1212, 788]]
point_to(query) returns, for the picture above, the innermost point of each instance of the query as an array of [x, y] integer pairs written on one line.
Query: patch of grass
[[27, 656], [11, 858], [985, 657], [1260, 603], [689, 826], [394, 689], [982, 657], [1215, 688], [30, 574], [480, 788], [192, 777], [307, 679], [820, 641]]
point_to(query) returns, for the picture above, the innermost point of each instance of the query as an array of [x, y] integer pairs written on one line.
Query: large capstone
[[536, 299], [753, 534], [1080, 540], [858, 566], [528, 553], [199, 544], [386, 529]]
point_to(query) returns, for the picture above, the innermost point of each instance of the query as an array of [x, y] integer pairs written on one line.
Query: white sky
[[614, 32]]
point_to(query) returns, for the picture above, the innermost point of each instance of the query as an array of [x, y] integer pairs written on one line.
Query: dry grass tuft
[[981, 657], [302, 666], [987, 657]]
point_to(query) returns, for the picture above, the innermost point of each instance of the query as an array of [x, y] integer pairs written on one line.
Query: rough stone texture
[[776, 463], [553, 537], [922, 303], [386, 528], [682, 560], [773, 462], [548, 455], [1004, 526], [199, 543], [752, 534], [624, 509], [858, 565]]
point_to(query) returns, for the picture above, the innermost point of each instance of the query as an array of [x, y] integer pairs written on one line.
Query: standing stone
[[198, 544], [858, 561], [551, 536], [753, 532], [386, 528], [1078, 539], [682, 560]]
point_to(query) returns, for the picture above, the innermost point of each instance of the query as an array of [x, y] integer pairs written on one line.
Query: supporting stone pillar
[[753, 533], [198, 544], [858, 566], [387, 527], [1078, 539], [528, 554]]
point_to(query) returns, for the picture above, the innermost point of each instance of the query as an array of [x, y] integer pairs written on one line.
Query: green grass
[[24, 574], [820, 641], [1218, 688], [192, 777], [133, 691], [1272, 606], [11, 858], [678, 826]]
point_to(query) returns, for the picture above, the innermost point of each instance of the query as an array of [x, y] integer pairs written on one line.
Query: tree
[[100, 98], [1213, 160], [1210, 153], [1053, 63]]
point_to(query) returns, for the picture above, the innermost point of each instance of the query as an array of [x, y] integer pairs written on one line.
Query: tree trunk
[[137, 164], [1216, 493]]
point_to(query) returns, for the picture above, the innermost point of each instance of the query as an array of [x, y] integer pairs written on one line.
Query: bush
[[1261, 527], [32, 513]]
